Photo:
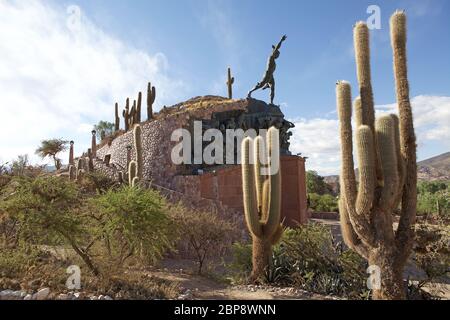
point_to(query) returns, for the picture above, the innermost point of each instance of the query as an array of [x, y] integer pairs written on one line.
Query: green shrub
[[432, 186], [241, 263], [309, 258], [316, 183], [96, 182], [207, 234], [46, 211], [323, 203], [133, 222], [312, 260]]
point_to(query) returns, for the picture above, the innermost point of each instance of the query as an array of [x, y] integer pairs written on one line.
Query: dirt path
[[195, 287]]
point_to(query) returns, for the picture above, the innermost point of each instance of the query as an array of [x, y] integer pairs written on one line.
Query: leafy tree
[[431, 186], [104, 126], [50, 148], [316, 183], [323, 203], [19, 165], [46, 210]]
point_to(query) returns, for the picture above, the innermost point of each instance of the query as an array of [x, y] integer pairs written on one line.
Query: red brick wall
[[226, 185]]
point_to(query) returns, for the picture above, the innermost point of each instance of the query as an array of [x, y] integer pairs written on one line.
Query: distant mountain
[[436, 168]]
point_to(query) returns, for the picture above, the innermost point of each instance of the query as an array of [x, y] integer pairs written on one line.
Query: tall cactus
[[94, 144], [137, 135], [129, 148], [120, 177], [71, 159], [116, 117], [126, 115], [366, 213], [72, 172], [262, 198], [80, 164], [90, 166], [79, 176], [230, 82], [138, 108], [132, 173], [133, 115], [151, 95]]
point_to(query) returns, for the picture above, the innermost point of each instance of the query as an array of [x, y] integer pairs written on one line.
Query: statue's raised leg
[[258, 86], [272, 90]]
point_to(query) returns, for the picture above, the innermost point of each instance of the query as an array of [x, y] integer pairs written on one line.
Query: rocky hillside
[[436, 168]]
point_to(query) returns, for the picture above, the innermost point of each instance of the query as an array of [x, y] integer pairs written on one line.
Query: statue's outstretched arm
[[279, 43]]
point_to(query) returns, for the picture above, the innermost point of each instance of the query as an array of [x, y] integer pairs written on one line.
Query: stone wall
[[219, 188], [156, 134]]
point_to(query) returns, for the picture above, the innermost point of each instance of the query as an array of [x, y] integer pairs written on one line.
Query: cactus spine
[[151, 95], [230, 83], [387, 168], [137, 134], [116, 117], [262, 198]]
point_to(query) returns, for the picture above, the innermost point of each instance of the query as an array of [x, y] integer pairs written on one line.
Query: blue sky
[[187, 45]]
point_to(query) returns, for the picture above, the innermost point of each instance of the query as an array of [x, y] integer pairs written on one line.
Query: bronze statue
[[268, 81]]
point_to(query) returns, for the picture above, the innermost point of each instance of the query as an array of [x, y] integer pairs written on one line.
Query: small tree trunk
[[56, 162], [262, 257], [391, 277]]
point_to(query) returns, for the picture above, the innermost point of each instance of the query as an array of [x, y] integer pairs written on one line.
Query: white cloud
[[56, 81], [318, 138], [431, 118]]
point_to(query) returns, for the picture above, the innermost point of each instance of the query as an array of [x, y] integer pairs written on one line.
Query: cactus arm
[[116, 117], [137, 136], [407, 137], [400, 162], [138, 108], [248, 181], [132, 171], [343, 101], [359, 112], [272, 217], [362, 54], [348, 233], [135, 182], [360, 222], [151, 95], [259, 178], [386, 134], [359, 214], [366, 154]]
